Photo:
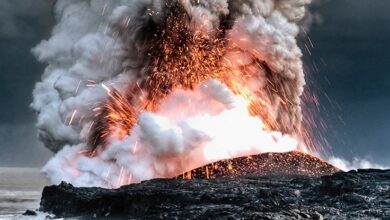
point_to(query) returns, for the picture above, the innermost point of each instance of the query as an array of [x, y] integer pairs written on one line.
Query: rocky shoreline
[[362, 194]]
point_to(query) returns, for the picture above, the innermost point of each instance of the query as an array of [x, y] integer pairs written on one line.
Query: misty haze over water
[[20, 189]]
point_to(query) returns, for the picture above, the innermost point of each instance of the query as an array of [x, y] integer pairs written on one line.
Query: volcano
[[267, 164]]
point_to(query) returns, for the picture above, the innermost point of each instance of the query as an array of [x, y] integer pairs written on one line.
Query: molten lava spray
[[140, 89]]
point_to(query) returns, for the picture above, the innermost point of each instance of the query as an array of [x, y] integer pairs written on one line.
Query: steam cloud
[[97, 45], [356, 163]]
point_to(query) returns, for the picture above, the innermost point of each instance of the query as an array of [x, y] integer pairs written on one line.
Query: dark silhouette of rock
[[29, 213], [362, 194]]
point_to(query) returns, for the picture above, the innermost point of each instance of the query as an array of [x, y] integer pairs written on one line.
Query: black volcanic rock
[[362, 194], [29, 213]]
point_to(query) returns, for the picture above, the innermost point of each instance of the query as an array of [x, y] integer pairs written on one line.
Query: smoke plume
[[138, 89], [356, 163]]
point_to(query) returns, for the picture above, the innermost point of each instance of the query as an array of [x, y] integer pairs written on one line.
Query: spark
[[128, 19], [82, 151], [72, 117], [78, 86], [120, 176], [311, 42], [230, 167], [91, 83], [130, 179], [104, 9], [106, 88], [135, 147], [308, 49], [108, 171]]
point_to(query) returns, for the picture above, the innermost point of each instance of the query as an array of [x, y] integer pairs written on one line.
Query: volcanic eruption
[[143, 89]]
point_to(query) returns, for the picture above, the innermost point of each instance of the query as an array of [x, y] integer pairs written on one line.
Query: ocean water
[[20, 189]]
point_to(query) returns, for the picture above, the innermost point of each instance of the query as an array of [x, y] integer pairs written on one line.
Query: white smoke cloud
[[356, 163], [96, 45], [78, 52], [171, 141]]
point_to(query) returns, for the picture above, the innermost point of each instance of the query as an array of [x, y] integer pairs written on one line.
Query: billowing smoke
[[138, 89], [355, 164]]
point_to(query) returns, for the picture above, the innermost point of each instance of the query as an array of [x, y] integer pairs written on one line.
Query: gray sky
[[353, 40], [23, 24]]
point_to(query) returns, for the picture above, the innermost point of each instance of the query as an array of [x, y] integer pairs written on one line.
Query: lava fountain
[[140, 89]]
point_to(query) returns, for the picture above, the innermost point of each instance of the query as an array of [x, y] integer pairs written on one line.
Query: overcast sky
[[23, 24], [353, 41], [352, 50]]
